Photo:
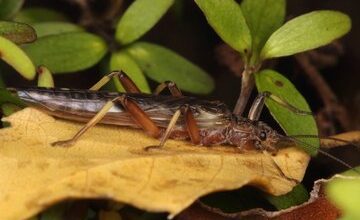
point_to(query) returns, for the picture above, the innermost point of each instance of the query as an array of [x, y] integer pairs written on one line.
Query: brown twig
[[333, 109]]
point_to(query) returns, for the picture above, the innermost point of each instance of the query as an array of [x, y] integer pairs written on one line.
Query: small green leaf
[[15, 57], [17, 32], [263, 17], [161, 64], [306, 32], [8, 8], [38, 14], [227, 19], [55, 27], [122, 61], [291, 123], [67, 52], [345, 194], [297, 196], [45, 78], [139, 18], [8, 109], [6, 97]]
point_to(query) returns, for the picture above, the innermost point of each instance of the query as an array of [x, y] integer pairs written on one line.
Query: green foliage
[[15, 57], [8, 8], [306, 32], [38, 14], [263, 17], [55, 27], [291, 123], [161, 64], [345, 194], [45, 78], [229, 23], [18, 33], [68, 52], [122, 61], [297, 196], [139, 18]]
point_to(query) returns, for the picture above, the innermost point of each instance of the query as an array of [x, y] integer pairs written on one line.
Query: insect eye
[[263, 135]]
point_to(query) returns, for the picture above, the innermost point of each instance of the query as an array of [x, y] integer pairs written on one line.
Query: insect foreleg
[[125, 81], [258, 104]]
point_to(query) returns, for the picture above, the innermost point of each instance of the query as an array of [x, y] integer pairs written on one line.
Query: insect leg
[[190, 124], [174, 90], [88, 125], [258, 104], [125, 81], [140, 117]]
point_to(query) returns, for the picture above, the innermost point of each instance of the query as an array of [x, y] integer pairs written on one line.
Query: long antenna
[[324, 153], [326, 138]]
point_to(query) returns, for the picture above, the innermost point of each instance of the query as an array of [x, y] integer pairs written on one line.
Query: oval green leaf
[[306, 32], [45, 78], [39, 14], [263, 17], [69, 52], [18, 33], [345, 193], [15, 57], [161, 64], [227, 19], [291, 123], [8, 8], [140, 17], [122, 61], [55, 27]]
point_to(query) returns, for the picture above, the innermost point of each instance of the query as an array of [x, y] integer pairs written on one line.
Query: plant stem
[[332, 105], [247, 84]]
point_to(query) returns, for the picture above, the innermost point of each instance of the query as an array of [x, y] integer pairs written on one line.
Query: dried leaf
[[110, 162], [351, 136]]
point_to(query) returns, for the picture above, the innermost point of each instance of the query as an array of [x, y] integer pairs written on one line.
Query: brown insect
[[178, 117]]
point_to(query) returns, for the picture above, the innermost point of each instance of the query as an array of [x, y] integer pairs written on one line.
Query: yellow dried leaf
[[110, 162]]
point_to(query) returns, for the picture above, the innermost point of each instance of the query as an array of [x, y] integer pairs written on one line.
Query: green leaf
[[263, 17], [8, 109], [122, 61], [38, 14], [45, 78], [306, 32], [6, 97], [15, 57], [8, 8], [68, 52], [161, 64], [291, 123], [297, 196], [345, 194], [227, 19], [55, 27], [17, 32], [139, 18]]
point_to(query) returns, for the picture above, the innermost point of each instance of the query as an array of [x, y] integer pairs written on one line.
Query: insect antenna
[[321, 151], [327, 138]]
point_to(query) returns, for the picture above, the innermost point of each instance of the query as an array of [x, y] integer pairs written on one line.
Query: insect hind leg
[[124, 79]]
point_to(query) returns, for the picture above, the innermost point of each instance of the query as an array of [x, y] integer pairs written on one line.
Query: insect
[[178, 117]]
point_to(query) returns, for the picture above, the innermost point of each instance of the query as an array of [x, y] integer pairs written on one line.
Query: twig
[[332, 105]]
